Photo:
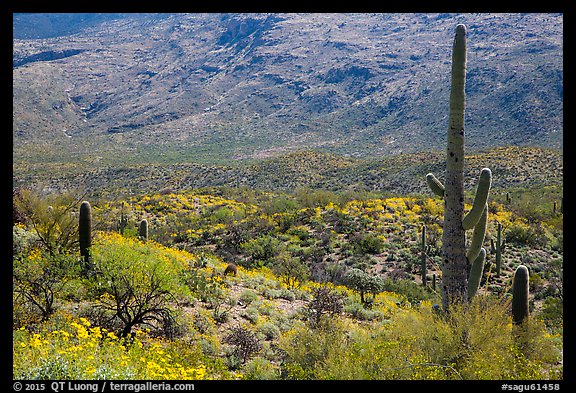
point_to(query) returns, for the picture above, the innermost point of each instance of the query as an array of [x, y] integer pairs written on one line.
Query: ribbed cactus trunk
[[423, 256], [85, 234], [455, 269], [498, 248], [520, 292], [122, 223], [143, 230], [461, 270]]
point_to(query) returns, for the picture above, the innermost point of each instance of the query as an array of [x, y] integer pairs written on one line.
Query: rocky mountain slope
[[215, 87]]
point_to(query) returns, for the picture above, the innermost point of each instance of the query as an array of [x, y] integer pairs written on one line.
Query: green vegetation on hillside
[[328, 287], [512, 167]]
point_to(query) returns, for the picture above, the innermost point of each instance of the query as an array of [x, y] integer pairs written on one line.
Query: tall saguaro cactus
[[458, 264], [85, 233]]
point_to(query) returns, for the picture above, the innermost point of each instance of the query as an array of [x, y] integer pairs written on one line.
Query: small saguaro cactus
[[85, 233], [457, 263], [520, 292], [555, 208], [122, 223], [497, 248], [423, 256], [143, 230]]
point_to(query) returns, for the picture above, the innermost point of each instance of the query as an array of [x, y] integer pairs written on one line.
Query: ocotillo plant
[[457, 264], [85, 233], [143, 230], [520, 292], [497, 248]]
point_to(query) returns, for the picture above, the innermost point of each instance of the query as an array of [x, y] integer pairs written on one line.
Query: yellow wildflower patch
[[143, 358]]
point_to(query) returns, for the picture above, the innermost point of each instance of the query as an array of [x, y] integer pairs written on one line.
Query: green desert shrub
[[306, 349], [369, 244], [291, 270], [40, 277], [248, 296], [52, 217], [140, 281], [260, 369], [359, 311], [411, 290], [476, 341], [269, 330], [261, 250], [364, 283]]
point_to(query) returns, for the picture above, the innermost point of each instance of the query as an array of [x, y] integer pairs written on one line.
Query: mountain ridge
[[241, 86]]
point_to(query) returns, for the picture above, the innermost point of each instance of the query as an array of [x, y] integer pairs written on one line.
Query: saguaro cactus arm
[[478, 235], [476, 273], [480, 199], [435, 185]]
